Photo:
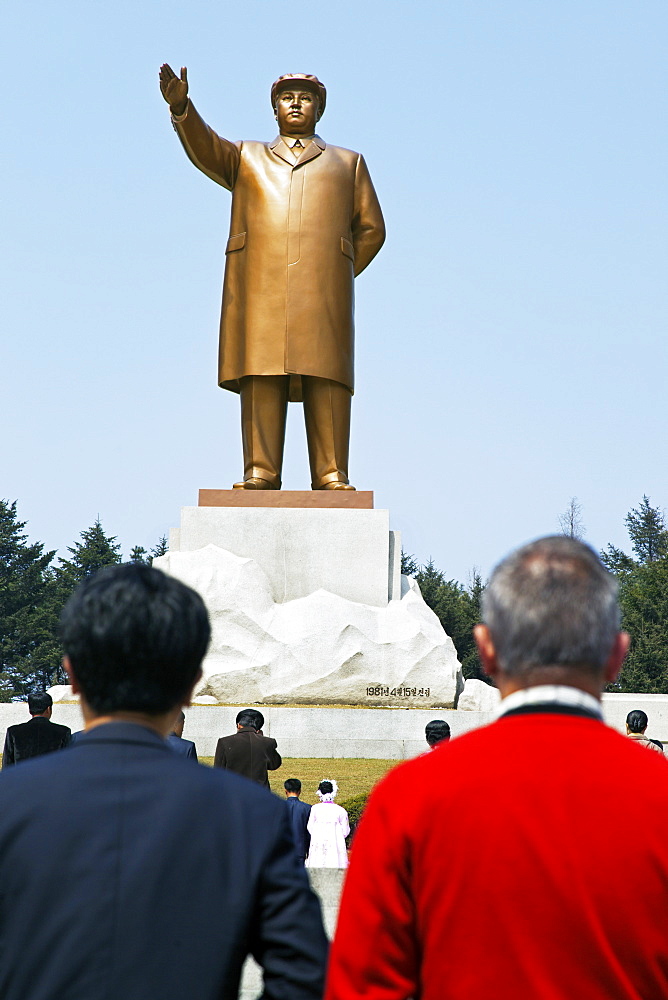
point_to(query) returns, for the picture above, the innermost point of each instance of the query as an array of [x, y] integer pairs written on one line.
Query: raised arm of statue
[[216, 157], [174, 89]]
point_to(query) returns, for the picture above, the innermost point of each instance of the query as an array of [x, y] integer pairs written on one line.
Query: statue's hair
[[551, 603]]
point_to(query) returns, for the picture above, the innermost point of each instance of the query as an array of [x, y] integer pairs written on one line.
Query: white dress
[[329, 827]]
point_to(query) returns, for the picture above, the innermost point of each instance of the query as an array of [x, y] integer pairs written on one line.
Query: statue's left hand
[[174, 89]]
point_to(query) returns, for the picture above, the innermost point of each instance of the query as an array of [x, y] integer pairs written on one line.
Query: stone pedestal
[[351, 553], [308, 605]]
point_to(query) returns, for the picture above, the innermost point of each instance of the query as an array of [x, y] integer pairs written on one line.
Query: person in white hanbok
[[328, 825]]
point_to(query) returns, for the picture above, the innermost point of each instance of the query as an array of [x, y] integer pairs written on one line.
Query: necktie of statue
[[297, 149]]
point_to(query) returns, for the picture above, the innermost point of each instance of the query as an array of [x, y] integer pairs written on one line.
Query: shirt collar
[[113, 732], [559, 695], [290, 140]]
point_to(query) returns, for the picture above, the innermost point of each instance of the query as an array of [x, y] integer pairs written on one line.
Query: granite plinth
[[347, 552], [308, 606]]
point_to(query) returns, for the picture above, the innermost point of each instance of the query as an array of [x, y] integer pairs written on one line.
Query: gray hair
[[551, 603]]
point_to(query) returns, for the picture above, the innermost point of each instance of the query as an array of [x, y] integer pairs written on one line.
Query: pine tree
[[139, 555], [458, 610], [647, 531], [92, 553], [28, 609], [616, 561], [643, 599], [472, 600], [409, 566], [161, 549]]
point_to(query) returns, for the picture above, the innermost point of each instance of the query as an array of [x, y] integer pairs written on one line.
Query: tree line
[[643, 598], [35, 584], [34, 587]]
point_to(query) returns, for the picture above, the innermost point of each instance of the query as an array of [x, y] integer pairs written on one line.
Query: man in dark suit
[[299, 814], [96, 842], [175, 739], [39, 736], [248, 752]]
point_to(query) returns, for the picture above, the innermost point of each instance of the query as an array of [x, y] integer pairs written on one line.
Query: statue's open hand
[[173, 88]]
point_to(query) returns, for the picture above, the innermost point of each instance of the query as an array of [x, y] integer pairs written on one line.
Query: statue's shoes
[[337, 486], [254, 484]]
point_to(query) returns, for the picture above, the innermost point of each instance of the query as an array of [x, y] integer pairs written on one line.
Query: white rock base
[[478, 697], [322, 649]]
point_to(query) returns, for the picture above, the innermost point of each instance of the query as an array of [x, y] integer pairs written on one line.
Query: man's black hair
[[637, 721], [292, 785], [135, 638], [39, 702], [436, 731], [251, 718]]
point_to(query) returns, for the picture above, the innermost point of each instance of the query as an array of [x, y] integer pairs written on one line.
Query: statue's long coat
[[300, 231]]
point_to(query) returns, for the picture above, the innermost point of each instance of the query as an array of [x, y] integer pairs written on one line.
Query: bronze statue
[[305, 221]]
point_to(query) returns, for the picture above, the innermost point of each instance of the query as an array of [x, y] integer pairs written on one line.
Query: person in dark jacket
[[299, 814], [96, 841], [37, 737], [248, 752], [175, 740]]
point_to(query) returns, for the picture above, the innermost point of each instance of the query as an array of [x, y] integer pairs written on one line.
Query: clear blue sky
[[511, 335]]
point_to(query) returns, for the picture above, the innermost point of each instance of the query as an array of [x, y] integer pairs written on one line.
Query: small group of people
[[496, 866], [40, 735], [320, 830]]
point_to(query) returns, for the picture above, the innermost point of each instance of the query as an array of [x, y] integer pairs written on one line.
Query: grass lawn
[[354, 776]]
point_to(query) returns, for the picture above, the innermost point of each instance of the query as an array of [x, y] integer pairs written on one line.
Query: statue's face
[[296, 111]]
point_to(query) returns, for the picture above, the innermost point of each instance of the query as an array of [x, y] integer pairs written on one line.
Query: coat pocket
[[347, 248], [236, 243]]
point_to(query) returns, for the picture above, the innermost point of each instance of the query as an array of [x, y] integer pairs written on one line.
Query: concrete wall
[[380, 733]]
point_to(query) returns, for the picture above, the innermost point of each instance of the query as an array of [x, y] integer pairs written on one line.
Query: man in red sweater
[[506, 864]]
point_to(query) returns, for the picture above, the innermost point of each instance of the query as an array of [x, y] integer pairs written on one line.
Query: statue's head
[[298, 100]]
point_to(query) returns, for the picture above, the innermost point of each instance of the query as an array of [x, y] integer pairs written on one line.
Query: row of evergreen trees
[[643, 596], [34, 586]]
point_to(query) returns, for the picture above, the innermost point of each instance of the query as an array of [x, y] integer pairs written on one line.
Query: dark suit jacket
[[128, 871], [299, 814], [249, 754], [185, 747], [31, 739]]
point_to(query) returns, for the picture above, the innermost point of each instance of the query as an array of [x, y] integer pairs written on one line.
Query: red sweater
[[525, 860]]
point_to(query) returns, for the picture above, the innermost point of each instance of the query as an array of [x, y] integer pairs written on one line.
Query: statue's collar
[[315, 146]]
